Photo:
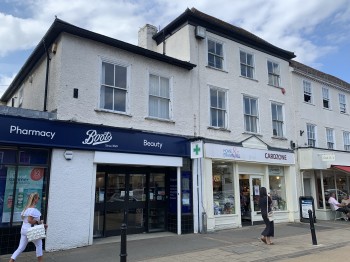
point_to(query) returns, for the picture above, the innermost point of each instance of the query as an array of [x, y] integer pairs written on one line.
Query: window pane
[[211, 47], [7, 156], [153, 106], [221, 100], [214, 118], [211, 60], [213, 98], [164, 87], [119, 100], [154, 85], [242, 56], [107, 74], [219, 49], [120, 77], [164, 108], [107, 97], [277, 188], [223, 189]]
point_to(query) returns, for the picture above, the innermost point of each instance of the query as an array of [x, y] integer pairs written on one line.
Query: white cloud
[[5, 82]]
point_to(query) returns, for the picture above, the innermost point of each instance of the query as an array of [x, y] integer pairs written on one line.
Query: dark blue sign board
[[306, 203], [62, 134]]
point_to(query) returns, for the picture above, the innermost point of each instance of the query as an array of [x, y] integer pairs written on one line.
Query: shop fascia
[[216, 151]]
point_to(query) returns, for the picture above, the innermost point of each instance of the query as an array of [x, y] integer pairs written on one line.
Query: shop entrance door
[[249, 198], [135, 196]]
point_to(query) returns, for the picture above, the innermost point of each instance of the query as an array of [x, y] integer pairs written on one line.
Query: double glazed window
[[217, 107], [215, 54], [342, 103], [346, 136], [247, 64], [325, 98], [277, 119], [250, 114], [273, 70], [307, 92], [311, 135], [159, 97], [330, 138], [113, 95]]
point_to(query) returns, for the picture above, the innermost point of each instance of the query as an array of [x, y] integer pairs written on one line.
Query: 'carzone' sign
[[248, 154], [61, 134]]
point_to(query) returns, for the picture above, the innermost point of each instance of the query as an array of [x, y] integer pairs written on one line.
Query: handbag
[[269, 214], [35, 233]]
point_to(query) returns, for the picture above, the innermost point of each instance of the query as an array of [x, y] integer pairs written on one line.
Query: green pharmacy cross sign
[[196, 150]]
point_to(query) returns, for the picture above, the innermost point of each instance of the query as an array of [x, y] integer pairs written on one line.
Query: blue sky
[[315, 30]]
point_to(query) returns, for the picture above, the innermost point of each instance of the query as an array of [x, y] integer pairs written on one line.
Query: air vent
[[200, 32]]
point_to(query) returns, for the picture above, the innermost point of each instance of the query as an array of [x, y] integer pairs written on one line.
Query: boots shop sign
[[61, 134]]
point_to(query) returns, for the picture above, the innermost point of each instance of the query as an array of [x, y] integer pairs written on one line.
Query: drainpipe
[[47, 75]]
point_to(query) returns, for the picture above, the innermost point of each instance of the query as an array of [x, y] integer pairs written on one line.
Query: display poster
[[306, 205], [29, 180]]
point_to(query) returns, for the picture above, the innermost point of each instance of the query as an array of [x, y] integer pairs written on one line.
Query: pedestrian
[[265, 207], [30, 216]]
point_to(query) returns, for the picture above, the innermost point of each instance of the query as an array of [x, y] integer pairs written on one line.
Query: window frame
[[221, 57], [342, 104], [307, 85], [326, 97], [126, 90], [170, 85], [346, 140], [246, 65], [273, 74], [311, 130], [217, 109], [250, 116], [277, 121], [330, 138]]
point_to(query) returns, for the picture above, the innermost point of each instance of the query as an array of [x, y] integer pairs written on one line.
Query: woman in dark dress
[[265, 207]]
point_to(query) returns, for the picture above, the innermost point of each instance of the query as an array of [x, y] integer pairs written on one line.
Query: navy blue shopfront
[[146, 191]]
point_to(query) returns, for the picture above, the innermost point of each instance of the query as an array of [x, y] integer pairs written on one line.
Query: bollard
[[123, 253], [312, 228]]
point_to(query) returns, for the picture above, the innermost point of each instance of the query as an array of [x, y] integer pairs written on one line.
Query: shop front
[[324, 172], [95, 177], [232, 176]]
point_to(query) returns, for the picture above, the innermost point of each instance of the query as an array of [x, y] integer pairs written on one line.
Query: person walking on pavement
[[265, 207], [30, 216]]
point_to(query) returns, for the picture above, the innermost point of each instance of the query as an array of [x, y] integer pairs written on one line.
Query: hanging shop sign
[[61, 134]]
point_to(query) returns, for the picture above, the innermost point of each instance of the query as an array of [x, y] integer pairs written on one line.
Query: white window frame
[[346, 138], [342, 103], [311, 135], [274, 77], [279, 121], [326, 98], [249, 117], [159, 97], [245, 65], [217, 108], [218, 56], [307, 92], [330, 138], [126, 90]]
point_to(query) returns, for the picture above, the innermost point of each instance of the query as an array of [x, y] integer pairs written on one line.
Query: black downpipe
[[47, 75]]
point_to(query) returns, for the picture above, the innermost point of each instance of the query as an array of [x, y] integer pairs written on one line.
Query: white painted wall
[[71, 200]]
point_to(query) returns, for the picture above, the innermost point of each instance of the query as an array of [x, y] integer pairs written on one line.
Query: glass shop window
[[22, 172], [223, 188], [277, 188]]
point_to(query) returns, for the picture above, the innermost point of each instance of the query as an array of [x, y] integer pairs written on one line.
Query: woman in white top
[[30, 216]]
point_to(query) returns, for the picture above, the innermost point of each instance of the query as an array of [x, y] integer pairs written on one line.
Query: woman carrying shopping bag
[[265, 207], [30, 216]]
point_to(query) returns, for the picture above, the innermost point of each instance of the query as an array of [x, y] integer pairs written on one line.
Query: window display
[[277, 188], [18, 181], [223, 190]]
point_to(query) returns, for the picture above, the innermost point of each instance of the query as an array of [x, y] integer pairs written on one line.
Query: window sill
[[308, 103], [219, 129], [159, 119], [248, 78], [99, 110], [279, 138], [251, 133], [217, 69], [280, 87]]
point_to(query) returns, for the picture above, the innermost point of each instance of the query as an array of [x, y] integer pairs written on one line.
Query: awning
[[342, 168]]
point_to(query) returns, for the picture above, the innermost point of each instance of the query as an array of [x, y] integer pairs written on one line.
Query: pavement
[[293, 242]]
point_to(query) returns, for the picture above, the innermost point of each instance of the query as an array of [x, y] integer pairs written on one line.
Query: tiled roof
[[318, 74], [195, 17]]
